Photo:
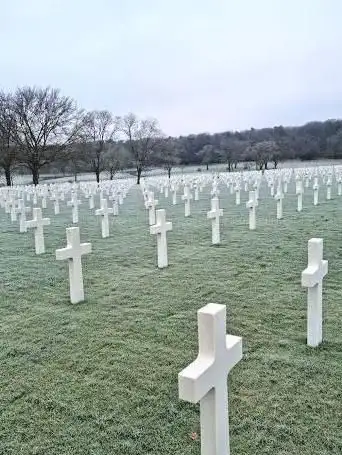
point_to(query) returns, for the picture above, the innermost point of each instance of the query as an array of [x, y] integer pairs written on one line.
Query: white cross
[[114, 198], [44, 202], [312, 278], [187, 196], [196, 192], [329, 183], [299, 192], [38, 223], [279, 198], [151, 206], [251, 204], [74, 203], [55, 198], [339, 185], [315, 190], [174, 195], [160, 229], [214, 214], [14, 210], [22, 215], [104, 211], [205, 380], [237, 194], [272, 187], [74, 252]]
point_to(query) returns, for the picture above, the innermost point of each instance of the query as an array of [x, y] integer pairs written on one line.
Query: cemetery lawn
[[100, 377]]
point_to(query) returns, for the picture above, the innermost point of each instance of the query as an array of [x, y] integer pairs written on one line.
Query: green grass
[[100, 378]]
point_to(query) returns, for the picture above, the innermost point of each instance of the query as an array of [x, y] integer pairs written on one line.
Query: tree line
[[42, 130]]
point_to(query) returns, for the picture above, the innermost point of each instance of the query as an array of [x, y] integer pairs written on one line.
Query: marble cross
[[315, 190], [299, 192], [55, 198], [312, 278], [237, 194], [214, 215], [22, 215], [187, 196], [279, 198], [329, 183], [74, 203], [104, 211], [205, 380], [38, 223], [174, 195], [151, 206], [160, 229], [73, 253], [251, 204]]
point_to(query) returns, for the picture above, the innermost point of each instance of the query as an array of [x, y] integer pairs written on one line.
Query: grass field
[[100, 378]]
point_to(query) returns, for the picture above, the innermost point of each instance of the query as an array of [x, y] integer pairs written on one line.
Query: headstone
[[251, 204], [38, 223], [272, 188], [187, 196], [74, 203], [14, 210], [312, 278], [74, 252], [174, 195], [91, 202], [299, 192], [196, 192], [329, 183], [237, 195], [339, 187], [205, 380], [214, 215], [279, 198], [160, 229], [104, 211], [22, 215], [151, 206], [315, 190], [55, 199]]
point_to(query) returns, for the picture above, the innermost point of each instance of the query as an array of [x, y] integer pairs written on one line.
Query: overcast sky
[[195, 65]]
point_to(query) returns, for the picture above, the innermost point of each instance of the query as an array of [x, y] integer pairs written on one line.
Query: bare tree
[[46, 123], [143, 137], [99, 129], [168, 154], [8, 152]]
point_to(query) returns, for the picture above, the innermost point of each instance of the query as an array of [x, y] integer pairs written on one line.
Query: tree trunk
[[35, 176], [266, 165], [169, 172], [8, 176], [139, 170], [97, 173]]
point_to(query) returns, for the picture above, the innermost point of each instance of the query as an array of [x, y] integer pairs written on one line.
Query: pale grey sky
[[195, 65]]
